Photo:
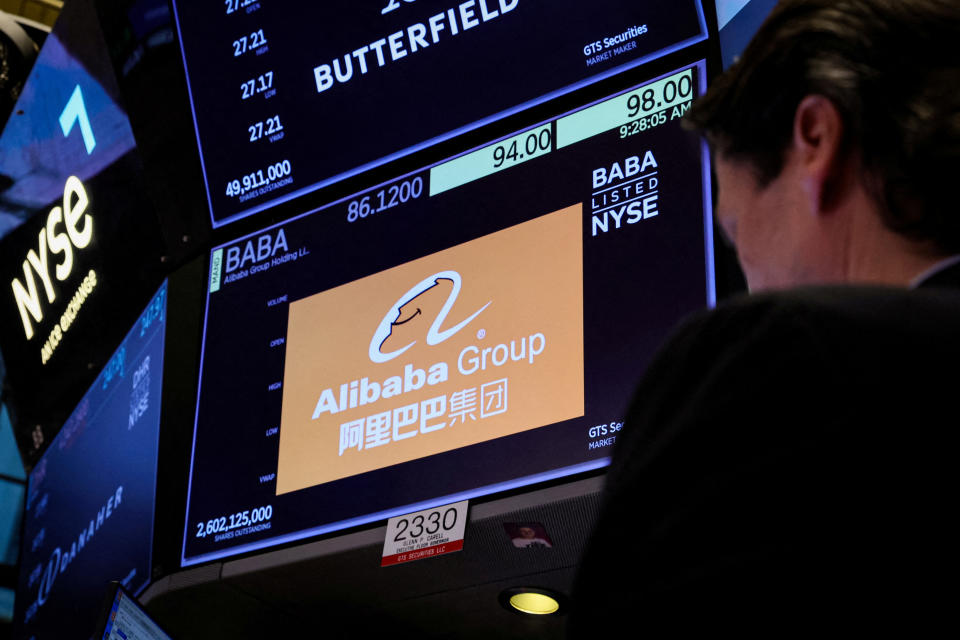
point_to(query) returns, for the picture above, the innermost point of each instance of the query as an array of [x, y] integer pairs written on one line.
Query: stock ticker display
[[286, 103], [466, 328], [90, 498]]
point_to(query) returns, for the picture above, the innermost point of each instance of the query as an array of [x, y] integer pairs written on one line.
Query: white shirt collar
[[946, 263]]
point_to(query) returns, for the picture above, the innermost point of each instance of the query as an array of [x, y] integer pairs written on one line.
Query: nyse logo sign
[[78, 225], [78, 231]]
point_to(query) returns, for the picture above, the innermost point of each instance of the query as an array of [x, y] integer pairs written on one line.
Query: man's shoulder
[[830, 314], [867, 302], [775, 448], [857, 356]]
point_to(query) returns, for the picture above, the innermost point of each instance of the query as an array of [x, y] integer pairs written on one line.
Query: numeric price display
[[223, 525], [426, 62], [246, 43], [256, 86], [232, 6], [632, 112]]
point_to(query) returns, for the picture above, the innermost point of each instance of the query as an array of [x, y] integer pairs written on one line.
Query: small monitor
[[122, 618]]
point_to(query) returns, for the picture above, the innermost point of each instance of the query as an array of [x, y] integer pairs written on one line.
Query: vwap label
[[476, 342]]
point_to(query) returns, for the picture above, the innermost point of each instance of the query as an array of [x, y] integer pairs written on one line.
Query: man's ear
[[818, 132]]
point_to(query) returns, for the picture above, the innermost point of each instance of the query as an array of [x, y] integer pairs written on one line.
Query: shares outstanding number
[[234, 521], [259, 178]]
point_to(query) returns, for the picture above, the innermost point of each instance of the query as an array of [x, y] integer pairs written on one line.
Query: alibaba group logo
[[405, 317]]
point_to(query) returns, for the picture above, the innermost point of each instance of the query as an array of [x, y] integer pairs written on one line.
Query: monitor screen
[[90, 498], [470, 327], [738, 20], [287, 100], [125, 619]]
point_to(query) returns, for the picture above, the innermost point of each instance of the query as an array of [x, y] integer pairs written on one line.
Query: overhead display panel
[[470, 327], [86, 235], [90, 498], [287, 100]]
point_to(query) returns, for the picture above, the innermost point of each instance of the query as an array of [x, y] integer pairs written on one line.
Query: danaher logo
[[404, 317]]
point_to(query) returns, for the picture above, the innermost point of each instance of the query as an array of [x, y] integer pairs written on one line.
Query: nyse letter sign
[[78, 225]]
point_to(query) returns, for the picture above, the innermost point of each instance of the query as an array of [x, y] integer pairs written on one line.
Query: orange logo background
[[532, 276]]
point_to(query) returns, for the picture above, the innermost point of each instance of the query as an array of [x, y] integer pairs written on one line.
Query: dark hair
[[892, 69]]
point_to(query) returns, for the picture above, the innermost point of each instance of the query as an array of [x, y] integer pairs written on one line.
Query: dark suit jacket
[[787, 464]]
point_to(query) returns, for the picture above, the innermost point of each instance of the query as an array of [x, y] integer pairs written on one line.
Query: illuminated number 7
[[76, 111]]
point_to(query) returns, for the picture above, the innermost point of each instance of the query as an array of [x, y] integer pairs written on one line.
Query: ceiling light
[[532, 601]]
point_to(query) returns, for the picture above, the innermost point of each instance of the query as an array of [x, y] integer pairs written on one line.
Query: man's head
[[837, 139]]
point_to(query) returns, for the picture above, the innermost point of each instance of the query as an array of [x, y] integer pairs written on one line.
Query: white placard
[[425, 534]]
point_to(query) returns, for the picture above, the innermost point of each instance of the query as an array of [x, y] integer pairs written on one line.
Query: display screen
[[738, 20], [90, 499], [126, 620], [81, 237], [469, 327], [288, 100]]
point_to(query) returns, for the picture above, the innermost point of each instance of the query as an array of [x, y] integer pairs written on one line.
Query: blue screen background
[[108, 446]]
